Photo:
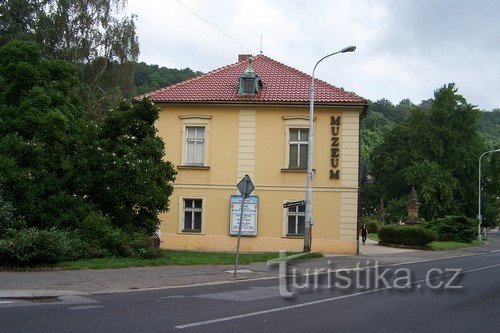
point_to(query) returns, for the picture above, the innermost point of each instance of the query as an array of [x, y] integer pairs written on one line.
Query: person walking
[[364, 233]]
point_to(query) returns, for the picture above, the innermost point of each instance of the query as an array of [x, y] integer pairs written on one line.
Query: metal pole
[[243, 197], [479, 216], [309, 219]]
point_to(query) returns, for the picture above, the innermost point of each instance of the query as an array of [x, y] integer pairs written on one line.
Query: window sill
[[293, 236], [193, 167], [191, 232], [295, 170]]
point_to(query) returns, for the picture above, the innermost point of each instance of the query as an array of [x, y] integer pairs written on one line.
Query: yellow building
[[251, 118]]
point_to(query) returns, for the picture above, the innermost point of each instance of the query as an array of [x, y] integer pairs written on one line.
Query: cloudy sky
[[405, 48]]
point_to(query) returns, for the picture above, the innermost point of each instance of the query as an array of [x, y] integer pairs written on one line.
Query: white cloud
[[406, 49]]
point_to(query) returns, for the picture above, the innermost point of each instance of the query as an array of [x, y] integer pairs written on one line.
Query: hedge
[[406, 235]]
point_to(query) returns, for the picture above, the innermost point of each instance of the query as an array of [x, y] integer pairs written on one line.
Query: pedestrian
[[364, 233]]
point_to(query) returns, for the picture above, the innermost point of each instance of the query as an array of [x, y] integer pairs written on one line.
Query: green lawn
[[440, 246], [170, 257], [373, 236]]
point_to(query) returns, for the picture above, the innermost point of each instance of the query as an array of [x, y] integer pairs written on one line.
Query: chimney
[[243, 57]]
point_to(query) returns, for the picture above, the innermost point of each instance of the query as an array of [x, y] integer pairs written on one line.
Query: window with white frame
[[296, 220], [195, 145], [192, 209], [298, 145]]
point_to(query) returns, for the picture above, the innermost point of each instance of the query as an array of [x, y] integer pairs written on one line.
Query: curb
[[41, 293]]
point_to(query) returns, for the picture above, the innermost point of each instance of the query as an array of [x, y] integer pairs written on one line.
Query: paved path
[[50, 283]]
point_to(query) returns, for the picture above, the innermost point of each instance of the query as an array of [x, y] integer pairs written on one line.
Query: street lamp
[[309, 220], [479, 216]]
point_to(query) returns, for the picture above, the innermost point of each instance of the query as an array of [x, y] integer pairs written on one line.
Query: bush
[[454, 228], [105, 240], [7, 219], [406, 235], [33, 246], [102, 238], [372, 224], [144, 246]]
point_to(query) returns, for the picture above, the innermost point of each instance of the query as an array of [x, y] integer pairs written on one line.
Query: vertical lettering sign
[[335, 147]]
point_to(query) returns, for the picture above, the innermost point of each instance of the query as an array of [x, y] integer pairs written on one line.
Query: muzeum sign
[[335, 147]]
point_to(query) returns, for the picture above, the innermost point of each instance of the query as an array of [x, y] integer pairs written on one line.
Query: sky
[[405, 48]]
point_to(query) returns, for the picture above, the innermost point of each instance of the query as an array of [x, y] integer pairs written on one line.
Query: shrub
[[32, 246], [372, 224], [144, 246], [102, 238], [454, 228], [7, 219], [406, 235]]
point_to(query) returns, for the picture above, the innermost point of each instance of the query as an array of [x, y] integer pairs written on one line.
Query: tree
[[491, 191], [489, 125], [87, 34], [130, 181], [151, 77], [39, 129], [435, 150], [93, 189]]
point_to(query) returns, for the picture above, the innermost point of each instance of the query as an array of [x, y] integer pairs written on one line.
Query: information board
[[250, 213]]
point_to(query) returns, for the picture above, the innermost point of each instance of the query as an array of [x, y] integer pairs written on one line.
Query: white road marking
[[290, 307], [85, 307]]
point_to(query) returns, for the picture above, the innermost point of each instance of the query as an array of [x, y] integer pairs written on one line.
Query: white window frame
[[190, 121], [193, 142], [181, 228], [301, 143], [291, 123]]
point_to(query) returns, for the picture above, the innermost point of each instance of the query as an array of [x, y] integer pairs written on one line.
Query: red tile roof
[[282, 84]]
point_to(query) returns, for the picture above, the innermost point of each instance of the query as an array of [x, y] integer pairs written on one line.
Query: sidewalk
[[54, 283]]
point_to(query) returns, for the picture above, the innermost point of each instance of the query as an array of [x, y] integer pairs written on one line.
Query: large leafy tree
[[41, 126], [62, 174], [435, 150], [129, 179], [88, 34]]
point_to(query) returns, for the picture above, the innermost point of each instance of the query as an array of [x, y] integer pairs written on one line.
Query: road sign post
[[246, 187]]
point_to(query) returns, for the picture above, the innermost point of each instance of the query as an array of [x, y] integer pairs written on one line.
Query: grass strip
[[171, 257], [442, 246]]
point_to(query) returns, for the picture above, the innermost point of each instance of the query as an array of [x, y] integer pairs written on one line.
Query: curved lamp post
[[479, 216], [309, 220]]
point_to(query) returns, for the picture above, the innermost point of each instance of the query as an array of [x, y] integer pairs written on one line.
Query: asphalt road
[[456, 294]]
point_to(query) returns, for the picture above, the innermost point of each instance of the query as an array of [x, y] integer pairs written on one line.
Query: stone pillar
[[412, 208]]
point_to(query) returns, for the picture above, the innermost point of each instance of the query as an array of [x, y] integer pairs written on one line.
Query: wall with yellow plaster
[[252, 140]]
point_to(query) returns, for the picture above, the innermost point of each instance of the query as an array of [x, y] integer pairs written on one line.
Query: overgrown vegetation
[[434, 148], [71, 187]]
